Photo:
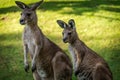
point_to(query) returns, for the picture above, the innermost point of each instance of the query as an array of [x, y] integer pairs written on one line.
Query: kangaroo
[[87, 64], [49, 62]]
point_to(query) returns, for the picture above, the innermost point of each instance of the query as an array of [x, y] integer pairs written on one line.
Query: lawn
[[97, 23]]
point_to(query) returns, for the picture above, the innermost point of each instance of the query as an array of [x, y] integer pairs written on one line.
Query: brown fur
[[88, 65], [49, 62]]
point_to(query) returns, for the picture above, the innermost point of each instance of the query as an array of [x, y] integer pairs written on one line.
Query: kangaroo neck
[[76, 42], [32, 26], [79, 46]]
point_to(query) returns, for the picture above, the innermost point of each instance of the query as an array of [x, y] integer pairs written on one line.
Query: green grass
[[97, 22]]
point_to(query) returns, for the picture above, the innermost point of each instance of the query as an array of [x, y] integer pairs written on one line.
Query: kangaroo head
[[69, 30], [28, 14]]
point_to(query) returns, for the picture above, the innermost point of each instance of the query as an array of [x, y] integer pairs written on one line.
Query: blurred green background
[[97, 23]]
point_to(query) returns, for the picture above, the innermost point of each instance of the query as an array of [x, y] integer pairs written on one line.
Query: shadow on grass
[[11, 58], [113, 54], [78, 6], [10, 36], [81, 6]]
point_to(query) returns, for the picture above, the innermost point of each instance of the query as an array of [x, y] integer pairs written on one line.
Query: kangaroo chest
[[28, 38], [75, 57], [73, 54]]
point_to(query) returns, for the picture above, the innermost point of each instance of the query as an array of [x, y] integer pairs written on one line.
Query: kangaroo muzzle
[[65, 40], [22, 21]]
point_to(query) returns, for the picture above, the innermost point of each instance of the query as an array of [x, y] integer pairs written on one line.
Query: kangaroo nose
[[22, 21], [64, 40]]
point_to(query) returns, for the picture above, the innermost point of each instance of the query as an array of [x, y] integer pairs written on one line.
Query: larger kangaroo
[[87, 64], [49, 62]]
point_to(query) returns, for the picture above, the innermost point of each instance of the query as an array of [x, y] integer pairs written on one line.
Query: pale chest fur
[[75, 57], [28, 38]]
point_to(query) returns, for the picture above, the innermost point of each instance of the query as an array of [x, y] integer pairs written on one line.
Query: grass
[[97, 24]]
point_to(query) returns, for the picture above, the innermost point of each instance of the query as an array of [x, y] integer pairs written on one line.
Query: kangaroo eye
[[62, 33], [69, 33], [20, 13], [28, 14]]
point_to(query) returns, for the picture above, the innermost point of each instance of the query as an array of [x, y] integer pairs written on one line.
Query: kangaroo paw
[[26, 67], [33, 68]]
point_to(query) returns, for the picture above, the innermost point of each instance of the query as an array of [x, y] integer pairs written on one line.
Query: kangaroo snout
[[22, 22], [65, 40]]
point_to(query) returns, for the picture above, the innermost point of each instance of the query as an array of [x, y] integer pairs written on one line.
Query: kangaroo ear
[[71, 22], [21, 5], [36, 5], [61, 23]]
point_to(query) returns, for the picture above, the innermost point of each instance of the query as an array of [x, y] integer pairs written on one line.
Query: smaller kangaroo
[[87, 64], [49, 62]]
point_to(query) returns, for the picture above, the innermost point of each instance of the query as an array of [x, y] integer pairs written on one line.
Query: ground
[[97, 23]]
